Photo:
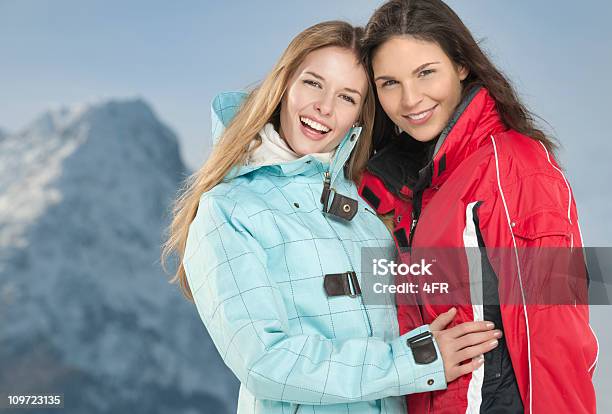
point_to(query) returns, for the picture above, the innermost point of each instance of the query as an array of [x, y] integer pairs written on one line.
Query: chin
[[423, 136], [301, 151], [305, 148]]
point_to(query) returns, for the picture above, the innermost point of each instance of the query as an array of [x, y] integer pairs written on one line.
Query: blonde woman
[[269, 233]]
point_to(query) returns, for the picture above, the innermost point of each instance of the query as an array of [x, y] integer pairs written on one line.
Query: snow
[[84, 198]]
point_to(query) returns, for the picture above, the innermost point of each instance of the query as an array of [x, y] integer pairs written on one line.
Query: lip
[[309, 133], [421, 121], [316, 120]]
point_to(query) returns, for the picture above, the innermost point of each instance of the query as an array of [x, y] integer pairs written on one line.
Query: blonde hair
[[261, 106]]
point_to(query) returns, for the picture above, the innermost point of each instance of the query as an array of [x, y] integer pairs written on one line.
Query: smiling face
[[323, 100], [418, 86]]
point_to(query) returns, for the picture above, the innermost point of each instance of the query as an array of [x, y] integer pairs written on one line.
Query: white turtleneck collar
[[274, 150]]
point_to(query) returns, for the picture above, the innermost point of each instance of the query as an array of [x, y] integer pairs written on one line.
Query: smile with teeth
[[314, 125], [421, 115]]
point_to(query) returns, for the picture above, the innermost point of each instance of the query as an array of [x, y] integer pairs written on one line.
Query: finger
[[470, 327], [474, 351], [476, 339], [442, 320], [471, 366]]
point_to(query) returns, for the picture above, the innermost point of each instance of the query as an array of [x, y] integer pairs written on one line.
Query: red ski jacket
[[483, 188]]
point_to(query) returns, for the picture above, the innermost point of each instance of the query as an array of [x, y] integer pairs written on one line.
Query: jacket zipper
[[326, 190], [324, 199], [370, 211], [412, 228], [417, 204]]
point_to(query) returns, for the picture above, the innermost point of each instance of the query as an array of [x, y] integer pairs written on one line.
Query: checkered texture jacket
[[256, 256]]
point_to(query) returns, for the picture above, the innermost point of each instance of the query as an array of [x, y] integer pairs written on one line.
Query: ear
[[463, 72]]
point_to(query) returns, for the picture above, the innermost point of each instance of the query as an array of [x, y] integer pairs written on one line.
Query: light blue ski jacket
[[256, 256]]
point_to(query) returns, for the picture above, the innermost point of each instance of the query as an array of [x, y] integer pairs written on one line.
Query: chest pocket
[[544, 223], [553, 271]]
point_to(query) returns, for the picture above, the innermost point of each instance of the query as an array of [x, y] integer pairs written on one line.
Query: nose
[[411, 96], [325, 104]]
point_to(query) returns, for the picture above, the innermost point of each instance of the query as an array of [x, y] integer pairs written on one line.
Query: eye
[[348, 98], [425, 72], [312, 83], [387, 83]]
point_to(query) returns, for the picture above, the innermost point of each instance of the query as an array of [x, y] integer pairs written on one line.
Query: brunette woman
[[459, 163]]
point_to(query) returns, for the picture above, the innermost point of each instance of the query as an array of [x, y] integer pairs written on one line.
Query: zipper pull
[[415, 219], [413, 225], [414, 222], [326, 190]]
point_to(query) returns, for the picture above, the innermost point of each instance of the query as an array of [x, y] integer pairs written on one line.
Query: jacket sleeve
[[243, 310], [543, 293]]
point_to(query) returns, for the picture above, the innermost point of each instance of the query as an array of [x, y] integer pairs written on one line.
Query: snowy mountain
[[85, 309]]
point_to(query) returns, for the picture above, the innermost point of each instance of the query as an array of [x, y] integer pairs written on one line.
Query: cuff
[[419, 362]]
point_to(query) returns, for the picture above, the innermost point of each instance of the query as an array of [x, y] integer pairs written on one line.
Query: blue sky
[[178, 55]]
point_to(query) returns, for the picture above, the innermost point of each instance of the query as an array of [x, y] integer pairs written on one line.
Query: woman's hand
[[465, 342]]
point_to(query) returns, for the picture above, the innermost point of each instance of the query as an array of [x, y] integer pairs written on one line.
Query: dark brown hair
[[434, 21]]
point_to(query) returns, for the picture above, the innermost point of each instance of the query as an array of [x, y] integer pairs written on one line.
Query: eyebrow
[[414, 72], [323, 79]]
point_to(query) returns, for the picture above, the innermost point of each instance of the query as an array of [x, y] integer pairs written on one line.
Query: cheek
[[287, 126], [284, 119], [300, 97], [347, 114], [291, 101], [447, 91], [387, 101], [345, 118], [288, 111]]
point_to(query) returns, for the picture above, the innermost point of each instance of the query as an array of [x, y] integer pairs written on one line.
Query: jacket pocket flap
[[548, 222]]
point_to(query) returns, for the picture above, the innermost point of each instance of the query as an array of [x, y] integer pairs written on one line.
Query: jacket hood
[[225, 106], [223, 109]]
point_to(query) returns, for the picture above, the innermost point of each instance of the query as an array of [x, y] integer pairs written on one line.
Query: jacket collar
[[225, 106], [406, 165]]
